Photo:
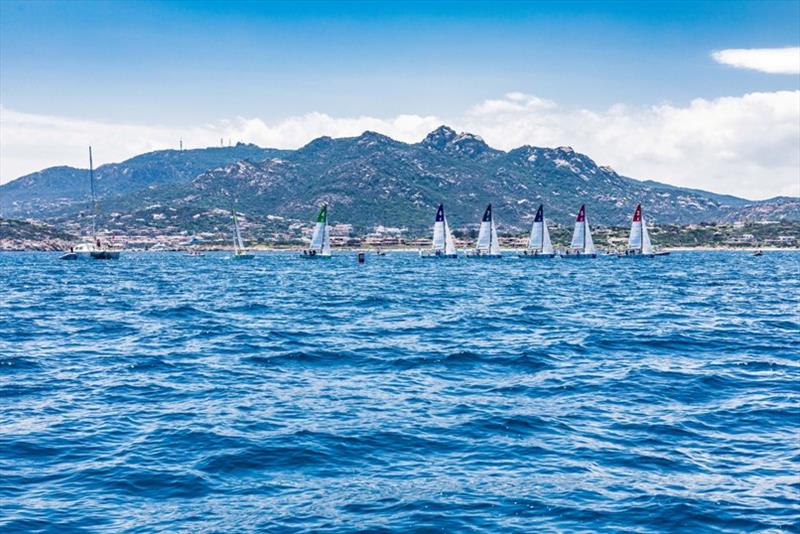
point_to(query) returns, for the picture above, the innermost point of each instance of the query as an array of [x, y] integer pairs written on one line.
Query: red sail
[[637, 215], [581, 214]]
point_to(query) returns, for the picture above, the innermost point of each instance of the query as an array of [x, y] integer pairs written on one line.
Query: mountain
[[31, 235], [773, 209], [368, 180], [65, 189]]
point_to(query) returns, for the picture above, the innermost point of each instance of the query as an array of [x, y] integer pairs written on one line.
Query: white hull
[[436, 254], [579, 256], [635, 255], [312, 255], [536, 255], [92, 255], [480, 255]]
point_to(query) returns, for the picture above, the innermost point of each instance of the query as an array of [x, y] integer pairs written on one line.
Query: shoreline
[[508, 251]]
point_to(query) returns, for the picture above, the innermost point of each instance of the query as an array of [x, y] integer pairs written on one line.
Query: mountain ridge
[[371, 180]]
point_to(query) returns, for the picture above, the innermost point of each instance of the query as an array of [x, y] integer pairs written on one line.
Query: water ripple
[[166, 393]]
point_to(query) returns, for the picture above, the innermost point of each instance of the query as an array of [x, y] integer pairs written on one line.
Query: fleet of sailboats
[[92, 249], [239, 252], [320, 246], [539, 245], [582, 245], [444, 246], [488, 246]]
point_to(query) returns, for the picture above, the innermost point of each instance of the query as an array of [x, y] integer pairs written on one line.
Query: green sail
[[323, 214]]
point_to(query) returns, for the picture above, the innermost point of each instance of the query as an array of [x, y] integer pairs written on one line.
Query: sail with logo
[[582, 245], [539, 245], [320, 246], [488, 245], [639, 245], [444, 245]]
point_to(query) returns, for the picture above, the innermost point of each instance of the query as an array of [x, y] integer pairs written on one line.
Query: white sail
[[438, 235], [450, 244], [316, 237], [540, 237], [582, 236], [238, 245], [320, 235], [578, 235], [485, 234], [494, 248], [647, 247], [547, 246], [536, 239], [589, 247], [326, 240], [635, 239]]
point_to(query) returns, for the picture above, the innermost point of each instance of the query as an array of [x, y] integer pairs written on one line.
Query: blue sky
[[176, 61], [187, 64]]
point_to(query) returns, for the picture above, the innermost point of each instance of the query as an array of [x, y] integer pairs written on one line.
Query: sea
[[166, 393]]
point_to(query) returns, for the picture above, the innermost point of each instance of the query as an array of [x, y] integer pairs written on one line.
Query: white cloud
[[747, 146], [514, 102], [771, 60], [744, 145]]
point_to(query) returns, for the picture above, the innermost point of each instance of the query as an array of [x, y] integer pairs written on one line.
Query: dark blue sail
[[440, 213], [539, 214], [487, 215]]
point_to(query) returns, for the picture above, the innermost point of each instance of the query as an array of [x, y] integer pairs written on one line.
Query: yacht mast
[[94, 198]]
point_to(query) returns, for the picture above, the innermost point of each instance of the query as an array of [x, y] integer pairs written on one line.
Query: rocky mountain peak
[[440, 137], [446, 139]]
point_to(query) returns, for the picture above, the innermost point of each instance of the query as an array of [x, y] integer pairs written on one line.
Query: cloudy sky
[[704, 95]]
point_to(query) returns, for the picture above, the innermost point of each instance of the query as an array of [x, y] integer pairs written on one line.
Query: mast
[[94, 199], [585, 227], [235, 233], [542, 231], [641, 230]]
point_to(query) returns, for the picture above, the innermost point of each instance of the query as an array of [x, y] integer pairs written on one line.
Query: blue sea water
[[167, 393]]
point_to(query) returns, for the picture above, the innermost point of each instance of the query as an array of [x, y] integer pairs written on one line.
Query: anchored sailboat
[[443, 244], [239, 252], [321, 239], [93, 249], [582, 245], [539, 245], [488, 246]]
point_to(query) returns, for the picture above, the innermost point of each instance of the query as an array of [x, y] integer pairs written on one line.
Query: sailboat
[[488, 245], [443, 244], [239, 252], [539, 245], [639, 245], [92, 249], [582, 245], [320, 246]]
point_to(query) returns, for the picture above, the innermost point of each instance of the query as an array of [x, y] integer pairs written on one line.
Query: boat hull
[[436, 255], [69, 256], [307, 256], [484, 256], [579, 256], [537, 256], [239, 257], [104, 255], [636, 256]]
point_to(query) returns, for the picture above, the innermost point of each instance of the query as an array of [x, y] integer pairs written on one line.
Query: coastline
[[508, 251]]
